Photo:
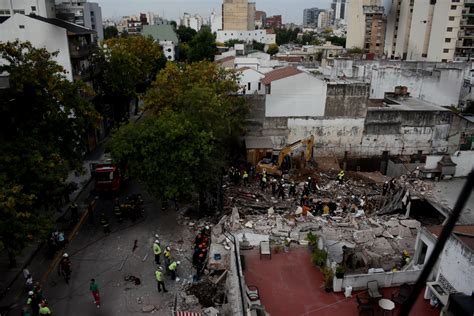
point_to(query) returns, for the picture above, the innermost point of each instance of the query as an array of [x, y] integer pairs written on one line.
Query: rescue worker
[[385, 188], [118, 210], [245, 178], [64, 267], [274, 186], [263, 180], [44, 309], [306, 189], [105, 223], [167, 254], [172, 267], [340, 177], [159, 279], [292, 191], [157, 251], [281, 190], [310, 184]]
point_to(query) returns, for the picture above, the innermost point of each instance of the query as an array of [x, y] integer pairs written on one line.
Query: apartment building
[[274, 21], [44, 8], [356, 22], [465, 42], [339, 8], [238, 15], [310, 17], [427, 30], [83, 13], [193, 21], [374, 30]]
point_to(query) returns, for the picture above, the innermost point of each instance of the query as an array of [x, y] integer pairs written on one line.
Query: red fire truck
[[107, 176]]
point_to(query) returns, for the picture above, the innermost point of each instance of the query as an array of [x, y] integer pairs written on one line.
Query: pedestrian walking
[[157, 251], [94, 288], [44, 309], [159, 279], [172, 267], [74, 213], [64, 267], [105, 223]]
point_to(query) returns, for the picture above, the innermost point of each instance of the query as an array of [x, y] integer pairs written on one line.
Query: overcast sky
[[291, 10]]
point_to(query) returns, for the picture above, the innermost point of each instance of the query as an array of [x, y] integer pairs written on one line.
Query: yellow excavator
[[274, 167]]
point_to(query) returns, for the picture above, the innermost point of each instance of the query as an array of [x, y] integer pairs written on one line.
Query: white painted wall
[[463, 159], [438, 31], [355, 24], [332, 136], [168, 48], [296, 96], [41, 35], [385, 279], [252, 77], [443, 90], [216, 22], [457, 266], [260, 36]]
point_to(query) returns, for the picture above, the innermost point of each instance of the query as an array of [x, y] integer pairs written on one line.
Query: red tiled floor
[[290, 285]]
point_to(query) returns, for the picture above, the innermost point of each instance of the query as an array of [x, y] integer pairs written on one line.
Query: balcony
[[467, 23], [469, 3], [463, 34], [81, 51], [468, 14]]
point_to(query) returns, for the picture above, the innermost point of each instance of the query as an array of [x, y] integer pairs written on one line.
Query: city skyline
[[173, 9]]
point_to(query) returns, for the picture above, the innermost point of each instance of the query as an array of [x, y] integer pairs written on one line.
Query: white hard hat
[[178, 262], [207, 227], [156, 236], [309, 178], [160, 268], [168, 248], [65, 255], [157, 241], [31, 293]]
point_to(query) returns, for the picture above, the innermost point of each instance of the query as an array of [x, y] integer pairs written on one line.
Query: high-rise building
[[260, 17], [81, 12], [323, 18], [356, 24], [193, 21], [44, 8], [339, 8], [273, 21], [215, 21], [375, 22], [310, 17], [429, 30], [238, 15]]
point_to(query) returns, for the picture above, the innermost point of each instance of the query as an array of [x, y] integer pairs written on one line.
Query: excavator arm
[[308, 142]]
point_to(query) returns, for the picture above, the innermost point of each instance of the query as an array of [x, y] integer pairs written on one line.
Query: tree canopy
[[128, 65], [185, 34], [202, 46], [273, 49], [43, 126], [285, 36], [110, 32], [182, 145]]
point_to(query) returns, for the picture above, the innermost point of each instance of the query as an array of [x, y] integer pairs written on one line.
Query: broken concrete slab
[[411, 223], [363, 236], [378, 231], [148, 308], [392, 222], [382, 246]]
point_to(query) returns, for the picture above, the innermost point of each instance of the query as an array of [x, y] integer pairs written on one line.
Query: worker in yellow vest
[[172, 267], [340, 176], [167, 254], [44, 309], [157, 251], [159, 279]]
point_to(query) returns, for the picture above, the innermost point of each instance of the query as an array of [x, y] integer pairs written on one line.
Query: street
[[110, 258]]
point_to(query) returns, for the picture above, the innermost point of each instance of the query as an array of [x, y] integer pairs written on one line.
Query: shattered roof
[[280, 73], [464, 232]]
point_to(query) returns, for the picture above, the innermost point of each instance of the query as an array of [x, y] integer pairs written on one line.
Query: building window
[[455, 1], [33, 8], [447, 40], [432, 2], [21, 26], [446, 50], [92, 13], [444, 60], [424, 55], [449, 29], [259, 86], [248, 86], [19, 11], [451, 18], [4, 12], [454, 7]]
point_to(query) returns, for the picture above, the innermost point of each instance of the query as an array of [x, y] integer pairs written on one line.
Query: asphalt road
[[109, 258]]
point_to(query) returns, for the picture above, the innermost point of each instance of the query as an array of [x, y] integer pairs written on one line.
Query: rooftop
[[464, 232], [225, 59], [70, 27], [280, 73], [289, 284], [411, 104], [160, 32], [246, 60]]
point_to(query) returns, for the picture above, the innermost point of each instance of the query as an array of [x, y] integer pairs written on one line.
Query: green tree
[[185, 34], [43, 126], [272, 49], [202, 46], [336, 40], [129, 64], [258, 46], [173, 24], [285, 36], [183, 144], [355, 50], [110, 32], [232, 42], [183, 51]]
